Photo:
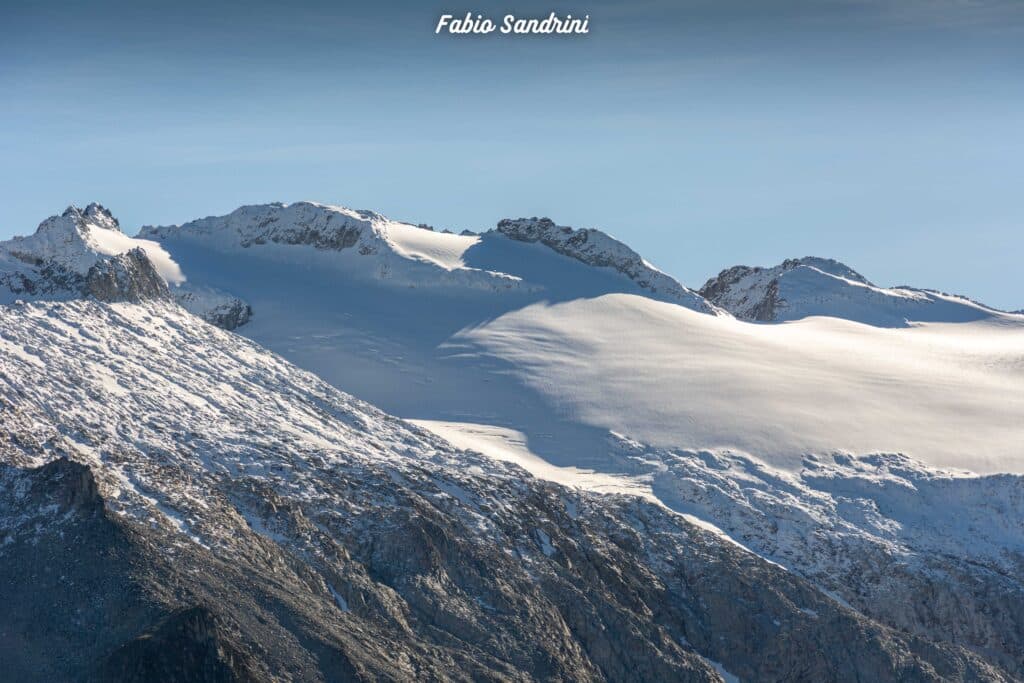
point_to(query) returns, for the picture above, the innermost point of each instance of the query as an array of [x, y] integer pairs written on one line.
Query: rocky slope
[[599, 249], [171, 488], [214, 306], [932, 552], [798, 288]]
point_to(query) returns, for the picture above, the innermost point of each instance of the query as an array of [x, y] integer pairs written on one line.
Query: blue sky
[[889, 135]]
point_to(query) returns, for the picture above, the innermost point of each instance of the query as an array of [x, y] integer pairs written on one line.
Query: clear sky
[[704, 133]]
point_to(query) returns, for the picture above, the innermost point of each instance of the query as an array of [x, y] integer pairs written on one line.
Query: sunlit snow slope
[[949, 394], [574, 350]]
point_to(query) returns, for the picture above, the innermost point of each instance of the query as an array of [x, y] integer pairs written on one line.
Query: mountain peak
[[76, 221], [815, 286], [100, 216], [79, 251]]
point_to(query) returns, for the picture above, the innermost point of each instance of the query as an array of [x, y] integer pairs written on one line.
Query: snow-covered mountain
[[809, 286], [583, 346], [84, 251], [178, 503], [370, 247], [878, 464]]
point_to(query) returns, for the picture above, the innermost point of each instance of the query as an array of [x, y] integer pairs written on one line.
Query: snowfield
[[950, 395]]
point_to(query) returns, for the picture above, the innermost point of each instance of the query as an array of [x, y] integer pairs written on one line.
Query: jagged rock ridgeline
[[417, 255], [64, 247], [125, 277], [364, 244], [599, 249], [300, 223]]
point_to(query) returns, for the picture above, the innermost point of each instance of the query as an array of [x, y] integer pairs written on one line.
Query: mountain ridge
[[68, 244]]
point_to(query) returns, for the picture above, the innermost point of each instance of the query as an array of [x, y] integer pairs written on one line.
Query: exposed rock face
[[264, 526], [305, 223], [808, 286], [752, 293], [126, 277], [214, 306], [188, 645], [39, 279], [67, 594], [881, 532], [596, 248], [82, 252]]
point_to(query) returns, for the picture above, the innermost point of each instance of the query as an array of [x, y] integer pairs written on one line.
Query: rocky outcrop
[[127, 277], [301, 223], [187, 645], [214, 306], [752, 293], [228, 315], [67, 591], [599, 249]]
